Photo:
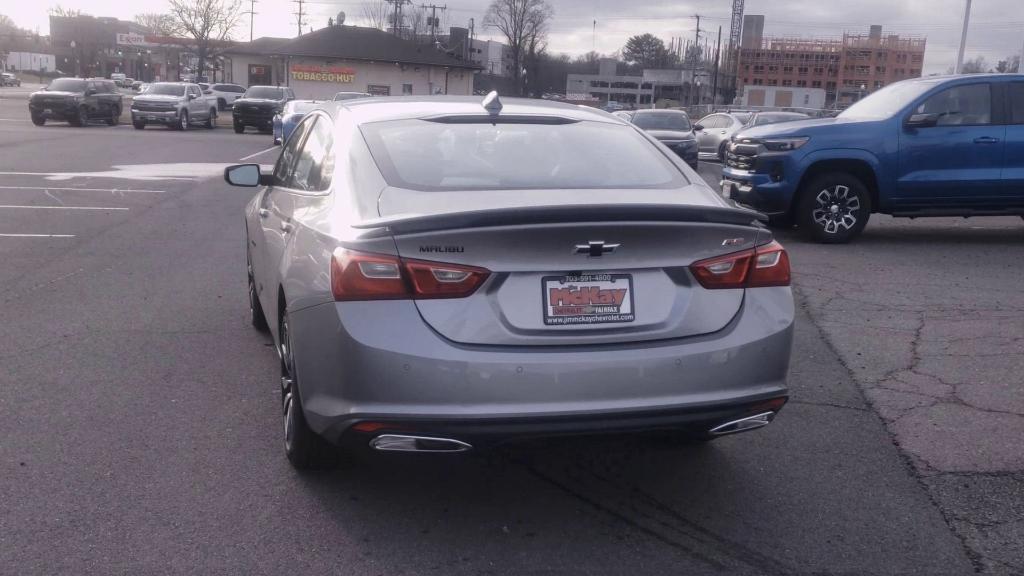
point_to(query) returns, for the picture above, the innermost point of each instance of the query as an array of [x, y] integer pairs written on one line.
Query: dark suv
[[77, 101], [258, 106]]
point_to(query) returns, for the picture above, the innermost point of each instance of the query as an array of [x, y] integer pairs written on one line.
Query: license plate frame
[[727, 186], [577, 307]]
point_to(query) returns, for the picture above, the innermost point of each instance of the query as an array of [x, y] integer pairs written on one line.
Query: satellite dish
[[341, 18]]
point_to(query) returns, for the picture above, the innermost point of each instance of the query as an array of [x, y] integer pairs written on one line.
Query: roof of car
[[407, 107]]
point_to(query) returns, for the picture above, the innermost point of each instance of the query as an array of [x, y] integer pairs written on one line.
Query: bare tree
[[524, 25], [208, 23], [976, 65], [6, 23], [162, 24], [58, 10], [375, 13]]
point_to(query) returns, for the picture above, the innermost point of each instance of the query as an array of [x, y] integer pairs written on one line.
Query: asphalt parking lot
[[140, 429]]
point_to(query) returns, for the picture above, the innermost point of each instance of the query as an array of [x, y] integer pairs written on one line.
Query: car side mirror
[[207, 92], [922, 120], [247, 175], [192, 96], [698, 127]]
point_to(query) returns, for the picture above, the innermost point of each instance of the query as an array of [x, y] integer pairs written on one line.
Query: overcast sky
[[997, 26]]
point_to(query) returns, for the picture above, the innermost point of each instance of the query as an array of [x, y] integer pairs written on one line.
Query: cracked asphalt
[[140, 425], [928, 317]]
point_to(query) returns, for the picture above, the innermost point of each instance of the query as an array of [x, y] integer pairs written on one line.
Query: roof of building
[[353, 43]]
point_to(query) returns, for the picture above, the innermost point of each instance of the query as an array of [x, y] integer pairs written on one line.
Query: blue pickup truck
[[935, 146]]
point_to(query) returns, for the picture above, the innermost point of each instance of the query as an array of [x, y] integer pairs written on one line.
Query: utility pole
[[714, 83], [434, 22], [963, 38], [252, 16], [469, 51], [696, 43], [299, 14]]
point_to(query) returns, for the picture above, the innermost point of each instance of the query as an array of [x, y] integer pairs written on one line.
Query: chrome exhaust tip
[[743, 424], [403, 443]]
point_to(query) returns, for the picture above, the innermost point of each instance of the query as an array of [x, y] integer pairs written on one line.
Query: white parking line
[[83, 189], [61, 207], [37, 235], [258, 153]]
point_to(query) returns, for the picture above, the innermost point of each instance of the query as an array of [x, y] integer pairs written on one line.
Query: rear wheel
[[239, 128], [211, 120], [721, 151], [183, 120], [38, 120], [834, 207], [115, 116], [138, 124], [304, 448]]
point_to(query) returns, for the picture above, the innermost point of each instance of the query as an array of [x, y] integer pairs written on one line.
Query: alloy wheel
[[836, 209], [287, 386]]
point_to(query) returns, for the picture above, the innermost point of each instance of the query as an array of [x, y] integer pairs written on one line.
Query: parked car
[[76, 100], [258, 106], [136, 86], [286, 121], [176, 105], [351, 96], [117, 78], [143, 86], [626, 115], [714, 131], [673, 129], [772, 117], [226, 94], [9, 79], [128, 82], [447, 285], [933, 146]]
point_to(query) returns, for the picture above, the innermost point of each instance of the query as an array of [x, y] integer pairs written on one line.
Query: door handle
[[286, 227], [986, 140], [264, 213], [722, 132]]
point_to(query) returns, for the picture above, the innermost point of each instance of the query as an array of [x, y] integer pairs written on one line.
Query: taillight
[[362, 276], [762, 266]]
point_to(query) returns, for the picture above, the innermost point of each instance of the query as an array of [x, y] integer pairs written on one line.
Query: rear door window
[[313, 164], [286, 163], [1016, 102]]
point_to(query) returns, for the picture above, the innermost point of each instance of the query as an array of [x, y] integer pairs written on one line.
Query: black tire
[[239, 128], [183, 121], [81, 119], [256, 316], [211, 120], [115, 117], [38, 120], [138, 125], [834, 207], [305, 449], [721, 151]]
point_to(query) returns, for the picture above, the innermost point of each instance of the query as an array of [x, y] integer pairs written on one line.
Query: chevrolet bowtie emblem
[[595, 248]]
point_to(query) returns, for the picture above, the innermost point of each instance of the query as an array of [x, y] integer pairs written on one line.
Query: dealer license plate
[[726, 189], [588, 299]]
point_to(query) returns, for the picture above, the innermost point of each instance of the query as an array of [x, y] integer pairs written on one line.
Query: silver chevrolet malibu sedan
[[443, 274]]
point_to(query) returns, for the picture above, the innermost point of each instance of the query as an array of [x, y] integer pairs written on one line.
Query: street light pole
[[963, 38]]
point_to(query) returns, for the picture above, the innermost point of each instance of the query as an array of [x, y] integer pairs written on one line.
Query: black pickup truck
[[258, 106], [76, 100]]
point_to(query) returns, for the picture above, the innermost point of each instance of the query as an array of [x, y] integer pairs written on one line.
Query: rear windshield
[[67, 85], [425, 155], [662, 121], [166, 90], [265, 93]]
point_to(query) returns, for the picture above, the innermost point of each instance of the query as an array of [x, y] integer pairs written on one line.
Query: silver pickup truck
[[177, 105]]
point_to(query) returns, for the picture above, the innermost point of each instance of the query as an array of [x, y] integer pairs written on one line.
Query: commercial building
[[348, 58], [847, 68], [608, 86], [493, 57]]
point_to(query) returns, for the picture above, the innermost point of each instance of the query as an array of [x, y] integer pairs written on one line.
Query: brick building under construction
[[847, 68]]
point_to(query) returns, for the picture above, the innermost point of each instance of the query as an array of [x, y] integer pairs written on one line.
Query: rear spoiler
[[410, 223]]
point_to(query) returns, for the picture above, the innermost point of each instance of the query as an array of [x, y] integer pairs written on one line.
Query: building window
[[801, 83], [773, 82], [879, 84], [758, 82], [787, 69], [819, 71], [915, 71], [379, 90], [787, 82], [802, 71], [880, 69], [816, 84], [406, 89], [773, 68], [758, 69]]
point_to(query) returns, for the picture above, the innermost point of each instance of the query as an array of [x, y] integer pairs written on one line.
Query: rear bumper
[[378, 361]]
